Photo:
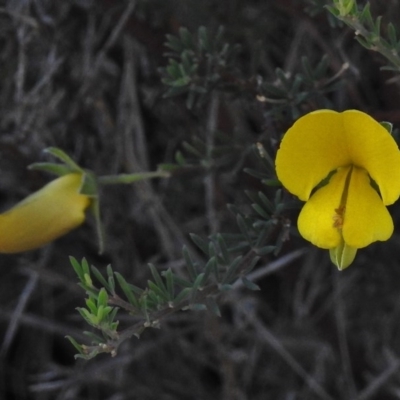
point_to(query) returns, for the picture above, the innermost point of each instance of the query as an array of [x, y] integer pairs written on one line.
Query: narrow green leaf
[[264, 234], [189, 263], [363, 42], [74, 343], [95, 209], [157, 279], [85, 267], [186, 38], [253, 263], [212, 251], [204, 41], [157, 290], [322, 67], [223, 248], [366, 17], [280, 74], [179, 158], [127, 290], [182, 295], [113, 315], [188, 147], [305, 63], [271, 182], [257, 174], [225, 287], [200, 243], [266, 201], [260, 211], [64, 157], [169, 278], [111, 280], [251, 195], [230, 274], [297, 81], [278, 197], [102, 298], [243, 228], [233, 208], [53, 168], [377, 26], [213, 306], [249, 284], [89, 318], [198, 307], [89, 185], [183, 283], [173, 69], [100, 277], [265, 250], [100, 314], [198, 282], [210, 267], [96, 339], [91, 305], [391, 30], [274, 91], [77, 268]]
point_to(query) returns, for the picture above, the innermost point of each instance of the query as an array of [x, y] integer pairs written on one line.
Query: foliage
[[368, 31], [200, 94], [228, 257]]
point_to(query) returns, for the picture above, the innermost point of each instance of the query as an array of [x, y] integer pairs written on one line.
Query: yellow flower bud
[[44, 216]]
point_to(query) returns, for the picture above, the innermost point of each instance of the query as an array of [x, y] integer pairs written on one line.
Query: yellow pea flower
[[44, 216], [360, 161]]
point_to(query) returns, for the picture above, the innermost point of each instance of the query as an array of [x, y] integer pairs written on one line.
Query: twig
[[343, 345], [111, 346], [209, 179], [272, 267], [379, 381], [276, 344], [114, 34]]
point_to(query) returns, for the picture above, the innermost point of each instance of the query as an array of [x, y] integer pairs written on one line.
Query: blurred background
[[91, 77]]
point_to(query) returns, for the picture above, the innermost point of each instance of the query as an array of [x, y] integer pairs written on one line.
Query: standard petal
[[314, 146], [373, 148], [366, 218], [319, 219], [43, 216]]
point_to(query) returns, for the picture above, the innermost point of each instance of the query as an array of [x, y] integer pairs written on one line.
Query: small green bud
[[343, 255], [344, 6]]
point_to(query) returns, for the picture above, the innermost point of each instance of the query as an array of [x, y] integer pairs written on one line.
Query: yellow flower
[[360, 161], [44, 216]]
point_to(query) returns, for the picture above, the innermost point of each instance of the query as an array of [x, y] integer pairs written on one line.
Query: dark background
[[85, 76]]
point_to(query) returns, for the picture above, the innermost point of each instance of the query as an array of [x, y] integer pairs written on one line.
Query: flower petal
[[43, 216], [316, 221], [373, 148], [325, 140], [314, 146], [366, 218]]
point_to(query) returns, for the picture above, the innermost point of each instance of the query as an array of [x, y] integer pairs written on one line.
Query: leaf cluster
[[226, 258], [197, 63], [368, 32], [287, 92]]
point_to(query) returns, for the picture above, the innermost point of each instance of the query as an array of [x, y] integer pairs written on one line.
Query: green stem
[[376, 42], [130, 178]]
